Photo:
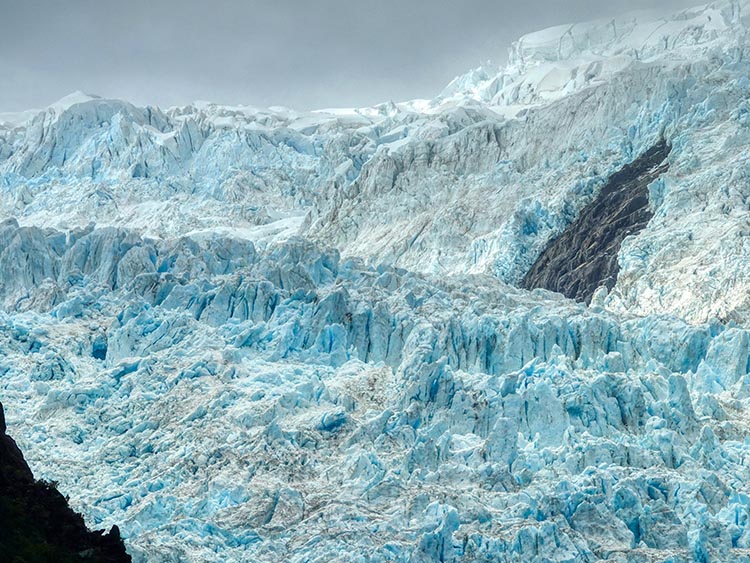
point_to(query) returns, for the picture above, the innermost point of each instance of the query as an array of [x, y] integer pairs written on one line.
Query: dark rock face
[[36, 523], [584, 256]]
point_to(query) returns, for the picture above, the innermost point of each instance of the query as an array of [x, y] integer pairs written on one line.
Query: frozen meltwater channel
[[247, 334]]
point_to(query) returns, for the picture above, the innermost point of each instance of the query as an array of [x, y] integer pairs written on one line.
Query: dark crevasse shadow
[[584, 256]]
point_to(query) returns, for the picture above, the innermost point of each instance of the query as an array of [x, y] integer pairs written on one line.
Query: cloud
[[298, 53]]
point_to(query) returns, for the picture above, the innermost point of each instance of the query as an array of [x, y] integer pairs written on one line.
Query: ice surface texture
[[288, 405], [268, 335]]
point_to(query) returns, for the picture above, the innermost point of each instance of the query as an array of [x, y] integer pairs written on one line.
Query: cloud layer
[[295, 53]]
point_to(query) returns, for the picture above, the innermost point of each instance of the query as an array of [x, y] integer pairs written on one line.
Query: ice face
[[240, 410], [266, 335]]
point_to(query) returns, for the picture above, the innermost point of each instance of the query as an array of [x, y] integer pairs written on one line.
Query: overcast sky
[[299, 53]]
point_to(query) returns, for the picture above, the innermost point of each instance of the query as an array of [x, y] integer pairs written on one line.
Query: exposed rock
[[37, 524], [584, 256]]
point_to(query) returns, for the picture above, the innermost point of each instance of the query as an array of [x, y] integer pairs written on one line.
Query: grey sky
[[299, 53]]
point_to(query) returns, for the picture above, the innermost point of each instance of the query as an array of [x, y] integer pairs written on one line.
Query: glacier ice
[[266, 335], [291, 405]]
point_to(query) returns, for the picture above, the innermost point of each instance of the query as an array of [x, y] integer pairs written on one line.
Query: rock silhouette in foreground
[[36, 523]]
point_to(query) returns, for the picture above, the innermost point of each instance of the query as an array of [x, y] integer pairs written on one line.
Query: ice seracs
[[218, 403], [268, 335]]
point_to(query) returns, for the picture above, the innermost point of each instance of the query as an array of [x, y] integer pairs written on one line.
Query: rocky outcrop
[[584, 256], [37, 524]]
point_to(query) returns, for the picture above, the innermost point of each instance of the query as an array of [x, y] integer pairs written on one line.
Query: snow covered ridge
[[266, 335], [639, 35]]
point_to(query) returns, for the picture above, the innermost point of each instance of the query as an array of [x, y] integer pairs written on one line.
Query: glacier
[[246, 334]]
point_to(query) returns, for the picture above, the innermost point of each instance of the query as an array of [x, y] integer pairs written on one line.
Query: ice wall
[[267, 335], [242, 409]]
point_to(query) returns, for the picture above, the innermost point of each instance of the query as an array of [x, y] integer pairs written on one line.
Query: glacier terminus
[[510, 323]]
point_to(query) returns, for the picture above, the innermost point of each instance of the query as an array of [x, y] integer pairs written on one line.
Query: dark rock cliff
[[584, 256], [36, 523]]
